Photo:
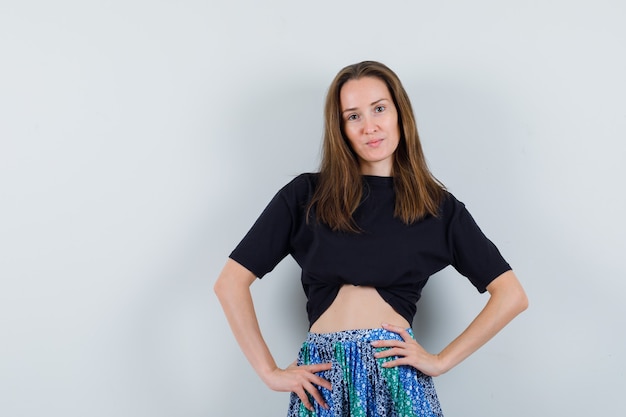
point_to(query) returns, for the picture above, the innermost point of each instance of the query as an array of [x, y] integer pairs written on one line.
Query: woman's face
[[370, 121]]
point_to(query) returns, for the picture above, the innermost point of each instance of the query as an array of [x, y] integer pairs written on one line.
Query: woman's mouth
[[374, 143]]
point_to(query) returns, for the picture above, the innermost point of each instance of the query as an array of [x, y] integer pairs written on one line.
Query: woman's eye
[[379, 109], [352, 117]]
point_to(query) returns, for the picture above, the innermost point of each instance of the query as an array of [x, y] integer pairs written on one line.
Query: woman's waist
[[355, 308]]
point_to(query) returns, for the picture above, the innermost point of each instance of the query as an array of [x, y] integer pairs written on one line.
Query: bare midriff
[[357, 307]]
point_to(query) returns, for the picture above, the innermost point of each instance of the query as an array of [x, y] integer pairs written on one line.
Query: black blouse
[[395, 258]]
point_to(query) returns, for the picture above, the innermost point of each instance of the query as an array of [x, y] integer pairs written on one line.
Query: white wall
[[140, 140]]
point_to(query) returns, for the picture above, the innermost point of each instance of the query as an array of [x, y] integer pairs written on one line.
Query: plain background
[[141, 139]]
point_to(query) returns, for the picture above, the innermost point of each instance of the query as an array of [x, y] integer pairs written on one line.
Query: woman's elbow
[[509, 290], [517, 298], [234, 278], [219, 287], [521, 301]]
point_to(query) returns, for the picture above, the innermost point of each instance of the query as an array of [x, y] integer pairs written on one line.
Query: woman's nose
[[368, 125]]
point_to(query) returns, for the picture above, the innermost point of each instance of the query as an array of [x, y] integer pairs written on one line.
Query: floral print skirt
[[361, 386]]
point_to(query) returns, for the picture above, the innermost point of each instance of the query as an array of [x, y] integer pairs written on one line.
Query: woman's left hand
[[408, 352]]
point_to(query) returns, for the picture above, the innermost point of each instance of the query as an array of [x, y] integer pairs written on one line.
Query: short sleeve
[[271, 237], [267, 242], [473, 254]]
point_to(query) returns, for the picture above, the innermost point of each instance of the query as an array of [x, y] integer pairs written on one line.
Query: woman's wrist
[[266, 374], [442, 365]]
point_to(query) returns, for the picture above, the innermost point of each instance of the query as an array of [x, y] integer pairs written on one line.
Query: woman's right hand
[[301, 380], [233, 291]]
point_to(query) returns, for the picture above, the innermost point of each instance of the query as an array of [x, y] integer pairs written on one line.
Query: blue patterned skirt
[[361, 386]]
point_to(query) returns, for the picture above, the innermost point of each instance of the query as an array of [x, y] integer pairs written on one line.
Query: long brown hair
[[340, 186]]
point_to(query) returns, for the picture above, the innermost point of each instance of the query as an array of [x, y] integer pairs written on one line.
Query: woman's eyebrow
[[371, 104]]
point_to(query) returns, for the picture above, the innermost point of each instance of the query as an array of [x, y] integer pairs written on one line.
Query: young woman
[[368, 231]]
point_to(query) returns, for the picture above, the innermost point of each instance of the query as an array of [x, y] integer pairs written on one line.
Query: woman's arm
[[233, 291], [507, 299]]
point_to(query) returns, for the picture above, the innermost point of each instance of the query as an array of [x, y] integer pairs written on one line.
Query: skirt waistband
[[358, 335]]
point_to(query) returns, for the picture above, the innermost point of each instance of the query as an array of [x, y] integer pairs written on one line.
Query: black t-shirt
[[395, 258]]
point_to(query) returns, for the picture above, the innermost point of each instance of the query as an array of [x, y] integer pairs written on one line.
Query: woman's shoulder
[[306, 178], [303, 181], [300, 187], [450, 205]]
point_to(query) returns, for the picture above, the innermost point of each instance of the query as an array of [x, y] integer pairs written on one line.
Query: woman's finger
[[318, 367], [406, 336], [387, 343], [318, 380], [389, 352], [395, 362], [308, 373], [310, 388], [304, 398]]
